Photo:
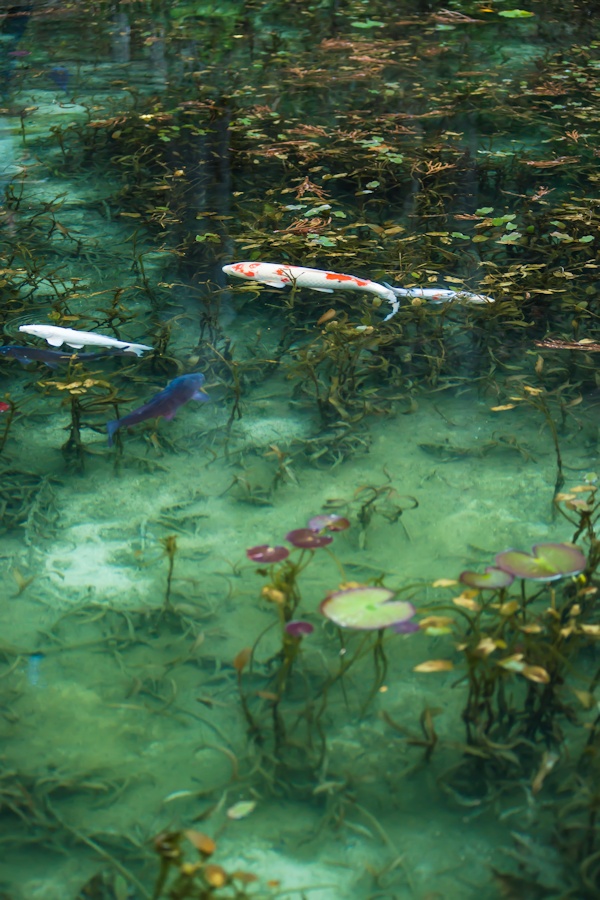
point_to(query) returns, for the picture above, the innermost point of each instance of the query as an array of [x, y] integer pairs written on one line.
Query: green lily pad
[[366, 608], [516, 14], [547, 562], [492, 579]]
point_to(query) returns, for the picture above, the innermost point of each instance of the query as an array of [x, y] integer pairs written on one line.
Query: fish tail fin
[[111, 427]]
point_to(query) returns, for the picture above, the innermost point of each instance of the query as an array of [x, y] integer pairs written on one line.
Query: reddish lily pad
[[366, 608], [547, 562], [265, 553], [308, 539], [491, 580]]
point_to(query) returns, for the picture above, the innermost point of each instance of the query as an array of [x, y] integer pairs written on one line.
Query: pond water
[[154, 696]]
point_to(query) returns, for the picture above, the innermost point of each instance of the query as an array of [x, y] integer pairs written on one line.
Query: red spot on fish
[[247, 269], [4, 406], [335, 276]]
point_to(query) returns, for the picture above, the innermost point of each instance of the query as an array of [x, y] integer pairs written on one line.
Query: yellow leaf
[[513, 663], [536, 673], [215, 875], [486, 646], [437, 625], [444, 582], [435, 665], [510, 608], [594, 630], [586, 698], [501, 408], [242, 659], [202, 842], [466, 600]]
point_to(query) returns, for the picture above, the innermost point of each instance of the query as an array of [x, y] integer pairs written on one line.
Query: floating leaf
[[370, 23], [202, 842], [216, 876], [366, 608], [490, 580], [488, 645], [513, 663], [435, 665], [241, 810], [466, 601], [516, 14], [537, 674], [242, 659], [436, 625], [244, 877], [444, 582], [510, 608], [547, 562]]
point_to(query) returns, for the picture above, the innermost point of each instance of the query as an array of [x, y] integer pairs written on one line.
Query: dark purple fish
[[61, 77], [164, 404], [51, 358]]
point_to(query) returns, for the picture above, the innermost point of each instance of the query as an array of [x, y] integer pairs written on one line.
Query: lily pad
[[366, 608], [547, 562], [491, 580]]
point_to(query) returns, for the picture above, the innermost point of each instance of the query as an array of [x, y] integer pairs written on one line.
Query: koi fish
[[164, 404], [57, 336], [280, 275], [440, 295], [51, 358]]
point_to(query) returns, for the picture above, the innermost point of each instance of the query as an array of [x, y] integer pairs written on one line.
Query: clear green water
[[143, 147]]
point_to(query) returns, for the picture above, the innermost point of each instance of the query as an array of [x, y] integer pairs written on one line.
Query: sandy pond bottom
[[120, 724]]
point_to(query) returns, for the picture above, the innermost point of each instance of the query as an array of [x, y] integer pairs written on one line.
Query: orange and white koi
[[280, 275]]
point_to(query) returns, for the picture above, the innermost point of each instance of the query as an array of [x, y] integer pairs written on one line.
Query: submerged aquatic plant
[[7, 414], [534, 637], [179, 877]]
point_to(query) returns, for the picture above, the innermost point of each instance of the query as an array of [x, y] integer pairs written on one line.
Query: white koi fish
[[57, 336], [440, 295], [280, 275]]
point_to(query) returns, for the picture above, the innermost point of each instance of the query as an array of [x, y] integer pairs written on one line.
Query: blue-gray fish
[[164, 404], [51, 358]]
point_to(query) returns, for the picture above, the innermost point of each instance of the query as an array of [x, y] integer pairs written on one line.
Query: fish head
[[186, 384], [243, 269], [195, 380], [35, 330]]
